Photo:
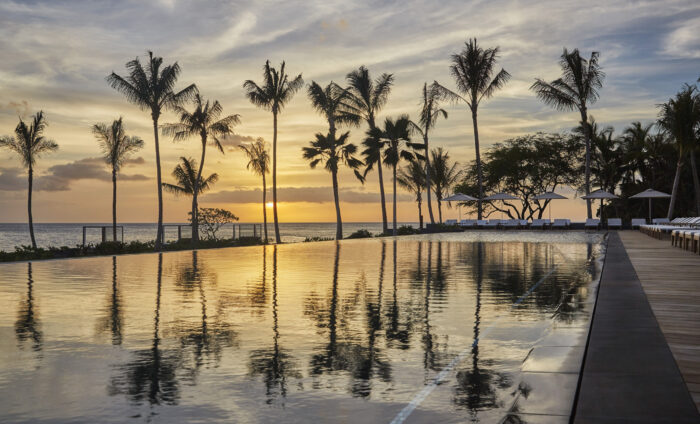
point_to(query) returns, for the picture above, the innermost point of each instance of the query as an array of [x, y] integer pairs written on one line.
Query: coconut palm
[[185, 174], [29, 143], [204, 121], [443, 174], [332, 153], [396, 137], [276, 91], [153, 89], [335, 104], [412, 178], [429, 114], [116, 147], [679, 117], [636, 139], [575, 89], [473, 71], [259, 163], [369, 97]]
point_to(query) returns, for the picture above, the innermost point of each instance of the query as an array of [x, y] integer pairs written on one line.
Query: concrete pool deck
[[629, 372]]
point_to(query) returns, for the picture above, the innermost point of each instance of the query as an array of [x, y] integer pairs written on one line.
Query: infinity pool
[[475, 327]]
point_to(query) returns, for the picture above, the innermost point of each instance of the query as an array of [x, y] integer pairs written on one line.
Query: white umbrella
[[550, 195], [602, 195], [459, 197], [650, 194], [501, 196]]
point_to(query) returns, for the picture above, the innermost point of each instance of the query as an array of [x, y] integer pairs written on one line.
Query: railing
[[238, 231], [104, 229]]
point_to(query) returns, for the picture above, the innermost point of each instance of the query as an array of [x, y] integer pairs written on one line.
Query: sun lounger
[[493, 223], [481, 223], [511, 223], [561, 223], [451, 222], [467, 223], [614, 223], [660, 221], [523, 223], [540, 223], [592, 223], [638, 222]]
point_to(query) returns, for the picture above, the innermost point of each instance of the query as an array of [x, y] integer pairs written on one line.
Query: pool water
[[468, 327]]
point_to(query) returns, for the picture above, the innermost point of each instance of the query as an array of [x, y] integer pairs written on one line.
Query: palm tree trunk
[[159, 233], [114, 204], [195, 203], [676, 181], [338, 219], [479, 175], [696, 182], [274, 177], [587, 136], [29, 208], [264, 205], [385, 226], [419, 200], [394, 203], [439, 209], [427, 178]]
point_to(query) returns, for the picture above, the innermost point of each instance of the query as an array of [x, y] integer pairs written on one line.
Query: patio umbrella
[[502, 197], [650, 194], [602, 195], [550, 195], [459, 197]]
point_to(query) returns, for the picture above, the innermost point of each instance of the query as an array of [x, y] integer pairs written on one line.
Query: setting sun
[[268, 204]]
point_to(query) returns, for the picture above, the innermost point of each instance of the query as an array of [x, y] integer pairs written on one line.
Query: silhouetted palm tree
[[186, 176], [396, 136], [575, 89], [679, 117], [204, 122], [412, 178], [335, 104], [369, 97], [116, 147], [332, 153], [153, 89], [473, 70], [444, 175], [29, 143], [273, 95], [259, 163], [636, 138], [429, 114]]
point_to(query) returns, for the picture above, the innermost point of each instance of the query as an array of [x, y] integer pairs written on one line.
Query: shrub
[[359, 234], [405, 230]]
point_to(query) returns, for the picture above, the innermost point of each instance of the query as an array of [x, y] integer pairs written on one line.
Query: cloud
[[297, 194], [20, 108], [11, 179], [234, 140]]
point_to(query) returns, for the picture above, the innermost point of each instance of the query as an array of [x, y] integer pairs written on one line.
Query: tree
[[332, 153], [335, 104], [429, 114], [635, 139], [116, 147], [412, 178], [185, 174], [473, 71], [212, 219], [153, 88], [259, 163], [204, 121], [276, 91], [30, 144], [679, 117], [443, 174], [396, 136], [575, 89], [369, 97]]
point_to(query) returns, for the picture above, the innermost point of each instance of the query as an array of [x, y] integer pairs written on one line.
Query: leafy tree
[[116, 147], [412, 178], [444, 174], [212, 219], [369, 97], [153, 88], [259, 162], [575, 89], [30, 143], [204, 122], [332, 153], [276, 91], [473, 71]]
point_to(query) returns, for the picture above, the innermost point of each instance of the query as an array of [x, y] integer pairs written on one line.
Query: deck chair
[[560, 223], [614, 223], [638, 222], [592, 223]]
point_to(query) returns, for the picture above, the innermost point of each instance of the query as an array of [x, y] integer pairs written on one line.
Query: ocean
[[71, 234]]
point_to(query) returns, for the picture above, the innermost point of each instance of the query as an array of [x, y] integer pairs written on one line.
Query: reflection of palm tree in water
[[113, 319], [274, 364], [258, 295], [27, 324], [397, 331]]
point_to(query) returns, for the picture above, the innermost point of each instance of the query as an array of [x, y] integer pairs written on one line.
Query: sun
[[268, 204]]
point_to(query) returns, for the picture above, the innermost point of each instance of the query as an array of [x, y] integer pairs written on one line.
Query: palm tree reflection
[[113, 319], [27, 326], [397, 333]]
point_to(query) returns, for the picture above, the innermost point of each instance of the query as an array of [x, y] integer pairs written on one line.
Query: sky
[[55, 55]]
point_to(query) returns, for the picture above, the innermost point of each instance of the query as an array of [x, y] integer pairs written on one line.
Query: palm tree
[[369, 97], [334, 152], [396, 136], [187, 182], [29, 143], [444, 175], [473, 70], [259, 163], [429, 114], [206, 123], [636, 138], [273, 95], [152, 88], [335, 104], [412, 178], [116, 147], [679, 117], [575, 89]]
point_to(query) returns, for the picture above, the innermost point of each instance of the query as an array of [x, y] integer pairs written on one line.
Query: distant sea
[[12, 235]]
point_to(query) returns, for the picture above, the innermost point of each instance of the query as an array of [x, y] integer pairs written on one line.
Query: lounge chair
[[451, 222], [511, 223], [481, 223], [615, 223], [493, 223], [540, 223], [592, 223], [523, 223], [467, 223], [660, 221], [561, 223], [638, 222]]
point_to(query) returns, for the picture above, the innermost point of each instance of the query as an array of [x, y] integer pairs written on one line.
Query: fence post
[[104, 234], [179, 232], [83, 236]]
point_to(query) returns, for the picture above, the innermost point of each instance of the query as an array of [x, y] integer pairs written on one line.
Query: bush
[[359, 234], [317, 238], [406, 230]]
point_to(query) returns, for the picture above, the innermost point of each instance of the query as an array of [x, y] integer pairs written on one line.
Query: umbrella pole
[[650, 210]]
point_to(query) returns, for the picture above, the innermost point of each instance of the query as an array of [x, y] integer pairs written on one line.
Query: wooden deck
[[671, 280]]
